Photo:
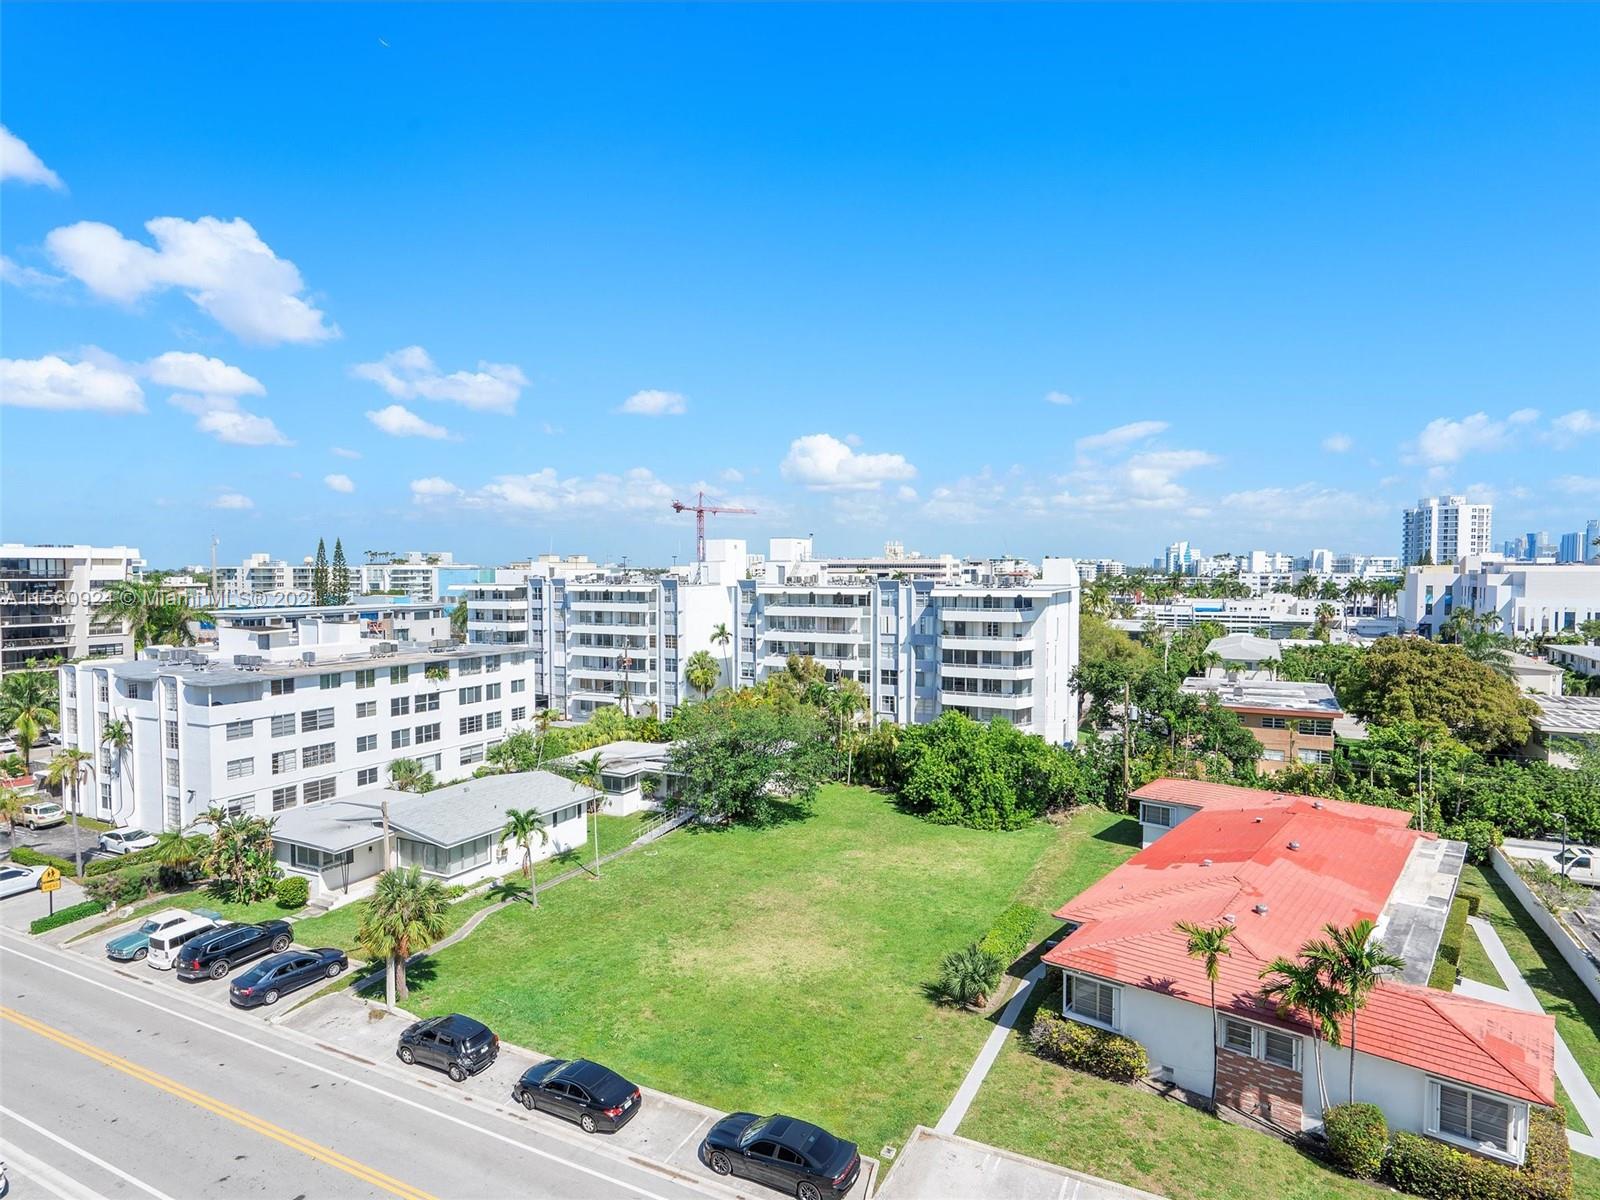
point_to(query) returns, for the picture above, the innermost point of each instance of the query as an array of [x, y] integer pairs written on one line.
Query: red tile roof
[[1197, 793], [21, 781], [1233, 857]]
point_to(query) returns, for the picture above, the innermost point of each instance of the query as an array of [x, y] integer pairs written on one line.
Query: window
[[1156, 814], [519, 714], [239, 730], [105, 795], [1476, 1119], [519, 685], [1256, 1041], [469, 666], [469, 695], [239, 768], [1272, 755], [367, 777], [471, 754], [332, 680], [1314, 756], [314, 719], [399, 738], [1274, 723], [174, 812], [446, 860], [491, 662], [1280, 1049], [400, 706], [492, 721], [284, 761], [428, 703], [367, 708], [172, 734], [282, 687], [367, 678], [399, 674], [1317, 726], [366, 742], [172, 771], [282, 798], [571, 813], [472, 724], [283, 725], [427, 733], [319, 789], [1091, 1000], [316, 756], [491, 691], [308, 859], [1236, 1035]]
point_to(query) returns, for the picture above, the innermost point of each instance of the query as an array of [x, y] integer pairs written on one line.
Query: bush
[[1097, 1051], [1434, 1170], [1357, 1136], [968, 975], [104, 866], [66, 916], [1472, 898], [1480, 835], [25, 856], [1455, 928], [292, 891], [127, 886], [1009, 936]]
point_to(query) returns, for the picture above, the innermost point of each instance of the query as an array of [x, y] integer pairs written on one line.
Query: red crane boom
[[700, 508]]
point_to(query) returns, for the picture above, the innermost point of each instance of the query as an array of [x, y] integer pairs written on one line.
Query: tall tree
[[1412, 679], [319, 574], [458, 620], [587, 773], [702, 672], [522, 826], [1209, 944], [405, 913], [409, 775], [72, 765], [28, 707], [1296, 985], [1353, 963], [339, 576], [748, 762], [117, 737]]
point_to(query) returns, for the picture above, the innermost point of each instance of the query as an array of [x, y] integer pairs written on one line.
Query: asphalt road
[[109, 1092]]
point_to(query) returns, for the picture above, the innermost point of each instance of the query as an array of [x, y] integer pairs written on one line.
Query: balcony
[[949, 615], [984, 671], [986, 699], [976, 642]]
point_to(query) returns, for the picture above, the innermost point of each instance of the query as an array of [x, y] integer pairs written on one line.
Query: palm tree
[[521, 826], [1299, 986], [408, 775], [11, 808], [28, 707], [542, 721], [1209, 944], [151, 614], [117, 737], [176, 851], [721, 635], [73, 765], [586, 772], [967, 975], [1352, 962], [405, 913], [702, 671], [458, 621], [846, 701]]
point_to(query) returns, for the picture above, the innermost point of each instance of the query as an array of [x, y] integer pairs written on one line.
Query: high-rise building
[[48, 596], [1591, 541], [1443, 529], [1571, 548]]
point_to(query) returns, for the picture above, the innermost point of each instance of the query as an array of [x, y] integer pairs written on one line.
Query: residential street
[[113, 1092]]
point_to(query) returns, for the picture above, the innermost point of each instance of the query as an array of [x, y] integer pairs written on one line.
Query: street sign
[[50, 881]]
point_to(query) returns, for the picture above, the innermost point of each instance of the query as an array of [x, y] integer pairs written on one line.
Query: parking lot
[[57, 840]]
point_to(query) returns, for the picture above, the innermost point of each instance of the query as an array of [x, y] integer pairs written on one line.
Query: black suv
[[217, 951], [456, 1045], [792, 1156], [595, 1097]]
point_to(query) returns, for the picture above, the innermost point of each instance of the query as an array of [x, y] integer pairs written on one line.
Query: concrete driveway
[[18, 912], [944, 1165]]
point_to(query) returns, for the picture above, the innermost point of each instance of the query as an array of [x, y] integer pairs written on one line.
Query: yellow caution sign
[[50, 881]]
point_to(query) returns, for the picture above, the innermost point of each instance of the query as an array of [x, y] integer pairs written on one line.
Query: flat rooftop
[[1577, 716], [1412, 922], [1274, 695]]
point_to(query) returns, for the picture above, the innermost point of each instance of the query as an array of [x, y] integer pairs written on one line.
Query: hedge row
[[1449, 959], [1009, 936], [103, 866], [67, 916], [1097, 1051], [28, 857], [1471, 897]]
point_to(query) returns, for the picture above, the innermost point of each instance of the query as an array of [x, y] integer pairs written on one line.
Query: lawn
[[1092, 842], [780, 968]]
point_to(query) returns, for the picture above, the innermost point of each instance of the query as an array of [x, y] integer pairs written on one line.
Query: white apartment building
[[1279, 615], [48, 596], [261, 579], [1090, 569], [284, 712], [421, 574], [1445, 528], [1529, 598], [893, 563]]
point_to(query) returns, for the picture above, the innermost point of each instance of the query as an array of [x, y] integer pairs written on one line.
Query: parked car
[[214, 953], [126, 841], [272, 977], [456, 1045], [15, 879], [1581, 868], [596, 1097], [41, 814], [134, 945], [165, 944], [781, 1152]]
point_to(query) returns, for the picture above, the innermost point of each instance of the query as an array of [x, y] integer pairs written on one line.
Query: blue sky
[[1027, 280]]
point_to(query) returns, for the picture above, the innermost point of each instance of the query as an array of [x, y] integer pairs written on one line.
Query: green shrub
[[1480, 835], [1097, 1051], [1455, 928], [66, 916], [968, 975], [1357, 1136], [104, 866], [457, 890], [127, 886], [292, 891], [26, 856], [1434, 1170], [1472, 898], [1009, 936]]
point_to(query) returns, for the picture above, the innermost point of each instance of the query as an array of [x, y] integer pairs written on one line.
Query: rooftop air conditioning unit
[[308, 656]]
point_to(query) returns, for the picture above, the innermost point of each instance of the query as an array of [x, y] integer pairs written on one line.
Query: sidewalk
[[943, 1165], [968, 1091], [1518, 994]]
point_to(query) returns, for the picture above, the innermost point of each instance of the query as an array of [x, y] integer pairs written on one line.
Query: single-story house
[[1277, 869], [1166, 803], [1585, 660], [1534, 675], [1292, 721], [624, 767], [452, 833], [1561, 723]]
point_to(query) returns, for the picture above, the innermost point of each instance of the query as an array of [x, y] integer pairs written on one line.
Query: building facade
[[48, 596], [1442, 529], [1528, 599]]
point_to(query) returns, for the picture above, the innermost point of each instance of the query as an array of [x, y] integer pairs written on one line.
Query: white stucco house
[[1278, 868], [626, 767]]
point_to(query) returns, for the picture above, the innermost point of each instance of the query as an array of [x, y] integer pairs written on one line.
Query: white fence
[[1553, 927]]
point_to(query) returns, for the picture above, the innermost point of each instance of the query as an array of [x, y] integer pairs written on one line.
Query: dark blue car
[[781, 1152], [273, 977]]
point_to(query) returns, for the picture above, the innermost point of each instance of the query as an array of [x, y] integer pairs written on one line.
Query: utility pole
[[388, 960]]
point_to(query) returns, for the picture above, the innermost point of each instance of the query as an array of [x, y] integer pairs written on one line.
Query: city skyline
[[447, 293]]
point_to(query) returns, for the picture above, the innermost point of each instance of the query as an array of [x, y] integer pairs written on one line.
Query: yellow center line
[[211, 1104]]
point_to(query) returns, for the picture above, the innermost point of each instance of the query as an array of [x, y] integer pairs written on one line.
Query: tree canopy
[[1409, 679], [749, 763]]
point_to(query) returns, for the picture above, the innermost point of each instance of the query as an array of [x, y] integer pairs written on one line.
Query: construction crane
[[700, 508]]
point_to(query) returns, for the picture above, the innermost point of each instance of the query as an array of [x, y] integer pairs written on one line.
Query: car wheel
[[527, 1101], [586, 1123], [406, 1056], [456, 1073], [721, 1163], [808, 1190], [272, 997], [219, 968], [280, 943], [139, 955], [333, 969]]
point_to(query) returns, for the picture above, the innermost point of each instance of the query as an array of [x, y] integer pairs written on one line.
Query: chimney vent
[[1294, 845], [1230, 918], [1260, 910], [1205, 862]]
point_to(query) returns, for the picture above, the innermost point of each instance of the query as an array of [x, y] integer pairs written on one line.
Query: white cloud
[[1524, 416], [197, 373], [340, 483], [654, 403], [31, 278], [432, 488], [906, 492], [823, 463], [1149, 480], [732, 475], [341, 452], [633, 491], [1444, 440], [19, 162], [1337, 443], [53, 383], [1580, 422], [1059, 398], [1306, 503], [211, 391], [410, 374], [399, 421], [223, 266], [233, 500], [1579, 485], [222, 418], [1122, 435]]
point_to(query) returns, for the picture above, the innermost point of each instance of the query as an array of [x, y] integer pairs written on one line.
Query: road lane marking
[[81, 1153], [211, 1104], [711, 1187]]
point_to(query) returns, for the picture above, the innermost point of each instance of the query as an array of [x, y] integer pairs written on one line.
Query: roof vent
[[1316, 804], [1230, 918], [1260, 910], [1258, 820], [1205, 862], [1294, 845]]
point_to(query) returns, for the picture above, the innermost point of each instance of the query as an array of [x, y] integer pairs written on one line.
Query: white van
[[164, 944]]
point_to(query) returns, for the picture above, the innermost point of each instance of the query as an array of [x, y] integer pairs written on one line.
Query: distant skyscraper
[[1443, 528], [1571, 548], [1591, 541]]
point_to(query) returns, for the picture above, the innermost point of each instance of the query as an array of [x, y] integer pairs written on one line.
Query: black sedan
[[580, 1090], [783, 1153], [214, 953], [272, 977]]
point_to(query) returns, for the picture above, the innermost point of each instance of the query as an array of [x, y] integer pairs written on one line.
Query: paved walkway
[[941, 1165], [1518, 994], [968, 1091]]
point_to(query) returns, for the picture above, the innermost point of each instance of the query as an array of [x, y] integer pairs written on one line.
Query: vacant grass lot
[[761, 969]]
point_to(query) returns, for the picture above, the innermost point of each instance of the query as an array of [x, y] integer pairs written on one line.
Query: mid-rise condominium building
[[1441, 529], [423, 575], [1528, 598], [48, 597]]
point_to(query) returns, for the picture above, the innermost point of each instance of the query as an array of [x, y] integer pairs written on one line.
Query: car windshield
[[132, 835], [150, 927], [754, 1130]]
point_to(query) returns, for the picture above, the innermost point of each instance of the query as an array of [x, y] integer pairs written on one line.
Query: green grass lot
[[780, 968]]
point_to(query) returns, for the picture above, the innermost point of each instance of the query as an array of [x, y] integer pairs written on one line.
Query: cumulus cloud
[[546, 491], [1444, 440], [732, 475], [824, 463], [1579, 485], [340, 483], [29, 278], [341, 452], [222, 266], [231, 425], [1148, 480], [655, 403], [1122, 435], [432, 488], [1337, 443], [1059, 398], [399, 421], [1580, 422], [233, 500], [19, 162], [1306, 503], [54, 383], [211, 391], [197, 373], [410, 374]]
